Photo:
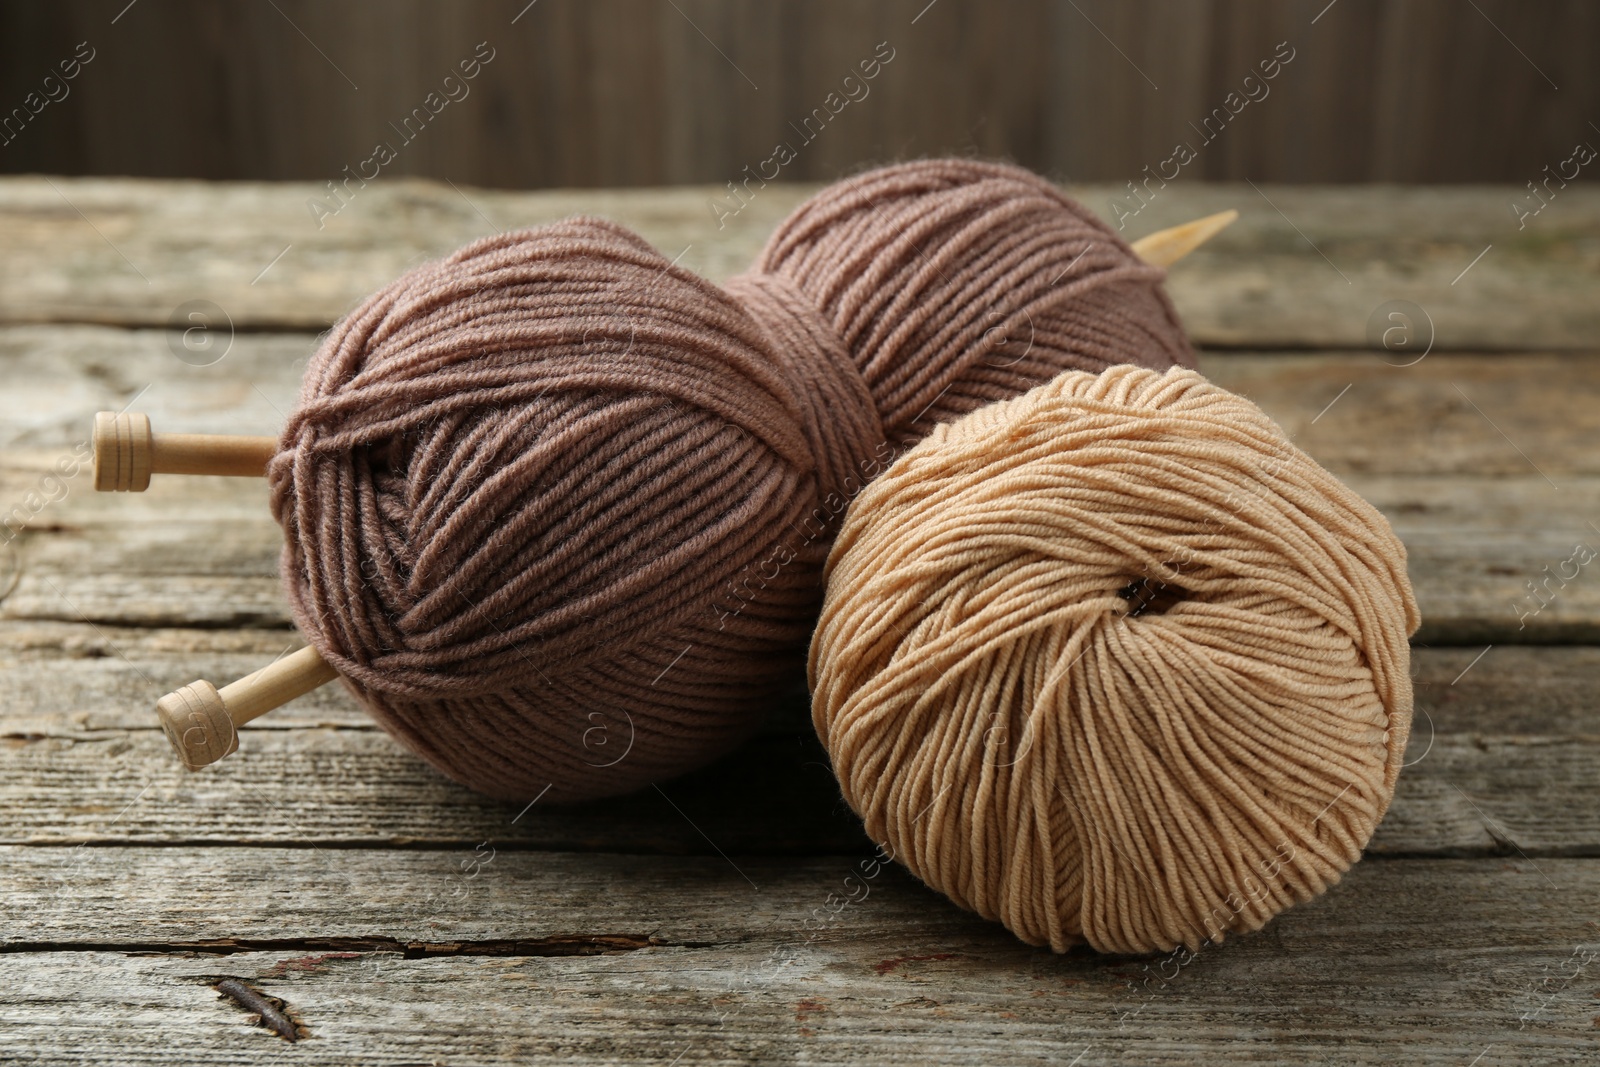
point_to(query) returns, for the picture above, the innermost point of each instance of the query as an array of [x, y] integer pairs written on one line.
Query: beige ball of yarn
[[1115, 662]]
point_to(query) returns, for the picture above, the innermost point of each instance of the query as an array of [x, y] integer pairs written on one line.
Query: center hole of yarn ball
[[1149, 596]]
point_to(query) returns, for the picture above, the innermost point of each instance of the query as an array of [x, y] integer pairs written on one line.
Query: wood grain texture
[[1474, 544], [702, 969], [404, 920], [323, 775], [1304, 266], [1364, 413], [608, 92], [1481, 463], [1506, 414], [1505, 759], [1467, 796], [77, 680]]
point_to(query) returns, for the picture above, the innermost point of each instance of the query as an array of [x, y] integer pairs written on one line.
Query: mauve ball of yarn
[[557, 509], [952, 283], [1115, 662], [512, 484]]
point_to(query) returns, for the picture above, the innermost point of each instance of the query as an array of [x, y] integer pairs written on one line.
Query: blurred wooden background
[[650, 92]]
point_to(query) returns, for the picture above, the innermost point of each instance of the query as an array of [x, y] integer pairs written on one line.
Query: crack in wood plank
[[553, 945]]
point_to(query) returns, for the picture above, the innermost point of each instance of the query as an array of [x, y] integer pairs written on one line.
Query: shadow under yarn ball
[[557, 509], [1115, 662]]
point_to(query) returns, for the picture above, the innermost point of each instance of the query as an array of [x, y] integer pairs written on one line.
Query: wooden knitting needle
[[1165, 247], [126, 453], [202, 722]]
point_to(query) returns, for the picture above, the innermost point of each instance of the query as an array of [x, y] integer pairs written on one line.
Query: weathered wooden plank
[[198, 897], [60, 679], [1474, 544], [1479, 461], [1506, 691], [81, 760], [163, 243], [1356, 411], [736, 975], [1481, 415], [78, 681], [1468, 795], [356, 787], [1513, 430], [1320, 267], [1306, 266], [57, 377]]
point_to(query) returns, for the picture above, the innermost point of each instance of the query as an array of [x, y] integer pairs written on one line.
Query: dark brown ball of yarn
[[557, 509]]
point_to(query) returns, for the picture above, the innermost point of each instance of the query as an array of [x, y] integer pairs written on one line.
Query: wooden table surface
[[403, 920]]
